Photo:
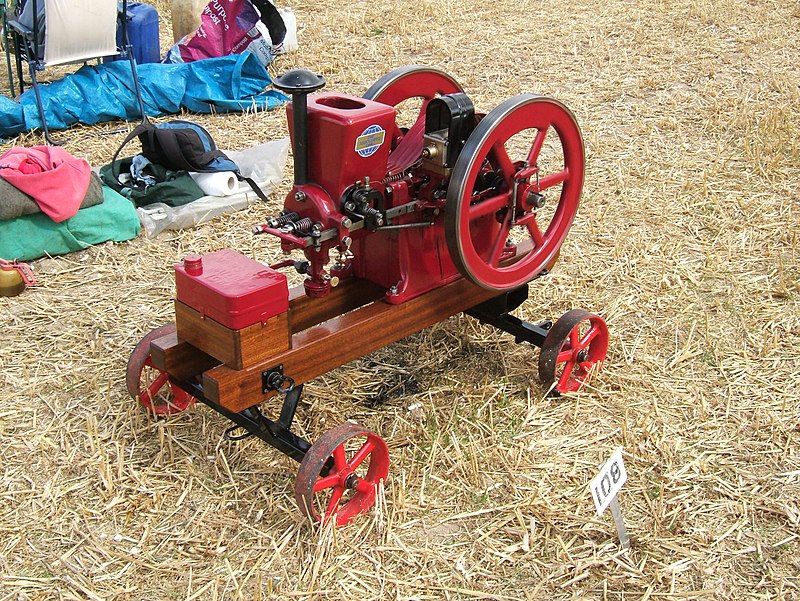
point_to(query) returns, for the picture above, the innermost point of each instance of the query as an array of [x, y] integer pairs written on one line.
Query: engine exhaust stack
[[299, 83]]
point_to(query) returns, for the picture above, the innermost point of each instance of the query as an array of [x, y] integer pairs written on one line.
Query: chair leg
[[39, 105], [8, 62], [7, 46], [18, 59], [134, 73]]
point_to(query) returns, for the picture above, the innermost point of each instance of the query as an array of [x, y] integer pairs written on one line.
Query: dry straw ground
[[686, 242]]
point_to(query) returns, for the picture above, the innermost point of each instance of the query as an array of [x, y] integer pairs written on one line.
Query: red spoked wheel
[[573, 351], [339, 476], [151, 385], [407, 83], [514, 191]]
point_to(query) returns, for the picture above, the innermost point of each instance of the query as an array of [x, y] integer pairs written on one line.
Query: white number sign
[[609, 481]]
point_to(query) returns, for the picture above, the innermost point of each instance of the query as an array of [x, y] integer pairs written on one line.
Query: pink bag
[[231, 27]]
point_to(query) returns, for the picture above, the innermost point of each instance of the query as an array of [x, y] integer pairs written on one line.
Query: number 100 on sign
[[608, 482]]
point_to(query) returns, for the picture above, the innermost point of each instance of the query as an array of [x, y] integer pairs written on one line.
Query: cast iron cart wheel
[[411, 81], [340, 473], [514, 192], [151, 385], [573, 350]]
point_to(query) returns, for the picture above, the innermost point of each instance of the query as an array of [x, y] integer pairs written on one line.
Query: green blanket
[[33, 236]]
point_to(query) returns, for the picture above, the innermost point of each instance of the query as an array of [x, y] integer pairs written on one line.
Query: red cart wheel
[[357, 461], [151, 385], [514, 192], [573, 350], [412, 81]]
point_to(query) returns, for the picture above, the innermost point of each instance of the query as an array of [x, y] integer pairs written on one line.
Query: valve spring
[[304, 225], [283, 219], [374, 216]]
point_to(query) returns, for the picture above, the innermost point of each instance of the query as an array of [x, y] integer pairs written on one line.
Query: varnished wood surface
[[350, 294], [235, 348], [324, 347], [179, 358], [182, 360]]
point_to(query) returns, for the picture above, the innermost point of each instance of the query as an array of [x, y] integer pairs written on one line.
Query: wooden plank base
[[321, 348], [178, 358], [183, 361]]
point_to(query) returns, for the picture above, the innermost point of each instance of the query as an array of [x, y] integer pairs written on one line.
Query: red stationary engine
[[416, 216], [487, 197]]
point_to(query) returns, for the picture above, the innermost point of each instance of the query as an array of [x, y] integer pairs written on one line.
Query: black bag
[[183, 146]]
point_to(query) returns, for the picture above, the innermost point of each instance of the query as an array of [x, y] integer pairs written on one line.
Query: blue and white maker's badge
[[370, 140]]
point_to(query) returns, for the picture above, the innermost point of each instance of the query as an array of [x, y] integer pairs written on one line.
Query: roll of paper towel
[[221, 183]]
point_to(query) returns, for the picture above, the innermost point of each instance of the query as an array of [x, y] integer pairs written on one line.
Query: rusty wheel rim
[[340, 474], [151, 386], [573, 351]]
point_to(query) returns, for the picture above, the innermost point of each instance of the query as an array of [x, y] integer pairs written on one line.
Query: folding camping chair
[[58, 32], [5, 7]]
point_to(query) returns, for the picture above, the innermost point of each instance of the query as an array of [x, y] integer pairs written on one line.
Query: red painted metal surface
[[348, 140], [407, 262], [479, 218], [401, 86], [151, 385], [231, 288], [479, 227]]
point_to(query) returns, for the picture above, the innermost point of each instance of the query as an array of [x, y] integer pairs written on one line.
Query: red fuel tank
[[231, 288]]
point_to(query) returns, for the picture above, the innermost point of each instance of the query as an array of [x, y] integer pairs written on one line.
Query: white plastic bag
[[261, 46], [264, 164]]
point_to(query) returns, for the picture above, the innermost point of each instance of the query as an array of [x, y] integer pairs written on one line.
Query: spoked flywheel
[[573, 351], [411, 81], [339, 476], [514, 191], [151, 385]]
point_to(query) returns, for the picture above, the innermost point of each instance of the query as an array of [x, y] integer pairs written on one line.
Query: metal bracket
[[273, 380], [228, 434], [276, 434], [495, 312]]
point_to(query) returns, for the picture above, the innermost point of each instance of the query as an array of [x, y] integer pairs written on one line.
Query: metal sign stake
[[619, 522], [605, 487]]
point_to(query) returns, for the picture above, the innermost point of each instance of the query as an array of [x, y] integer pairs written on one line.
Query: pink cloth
[[55, 179]]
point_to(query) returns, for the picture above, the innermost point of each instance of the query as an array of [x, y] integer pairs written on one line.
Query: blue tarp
[[105, 92]]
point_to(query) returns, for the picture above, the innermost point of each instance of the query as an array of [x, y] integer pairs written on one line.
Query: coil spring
[[393, 178], [398, 176], [373, 216], [303, 226], [283, 219]]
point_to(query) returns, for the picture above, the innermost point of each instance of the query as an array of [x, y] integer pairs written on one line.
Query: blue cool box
[[142, 27]]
